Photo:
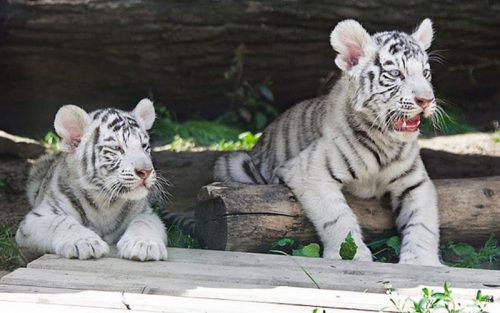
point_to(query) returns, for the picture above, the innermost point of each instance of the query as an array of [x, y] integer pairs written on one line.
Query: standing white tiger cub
[[362, 138], [94, 192]]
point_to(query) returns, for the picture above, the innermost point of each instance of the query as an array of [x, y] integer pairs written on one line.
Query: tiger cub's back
[[40, 175]]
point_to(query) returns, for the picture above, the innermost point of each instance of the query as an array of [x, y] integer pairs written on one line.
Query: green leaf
[[446, 288], [266, 92], [260, 120], [348, 248], [395, 244], [426, 292], [284, 242], [311, 250]]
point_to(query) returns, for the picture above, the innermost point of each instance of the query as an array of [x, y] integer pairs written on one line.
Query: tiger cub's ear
[[145, 114], [70, 123], [424, 34], [352, 42]]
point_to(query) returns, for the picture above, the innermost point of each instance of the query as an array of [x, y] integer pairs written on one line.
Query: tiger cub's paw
[[142, 249], [82, 248]]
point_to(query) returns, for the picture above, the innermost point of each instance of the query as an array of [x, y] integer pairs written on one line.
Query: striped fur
[[360, 138], [91, 194]]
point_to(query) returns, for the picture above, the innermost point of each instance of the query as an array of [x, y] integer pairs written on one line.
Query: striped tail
[[186, 224], [237, 167]]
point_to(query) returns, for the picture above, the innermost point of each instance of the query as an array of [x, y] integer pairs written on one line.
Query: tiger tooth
[[404, 123]]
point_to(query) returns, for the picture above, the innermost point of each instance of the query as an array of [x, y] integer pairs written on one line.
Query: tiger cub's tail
[[237, 167], [186, 224]]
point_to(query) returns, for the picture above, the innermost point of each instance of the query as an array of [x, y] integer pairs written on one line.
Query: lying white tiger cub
[[94, 192]]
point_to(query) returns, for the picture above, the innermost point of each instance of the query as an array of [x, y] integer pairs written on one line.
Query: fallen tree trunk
[[251, 217]]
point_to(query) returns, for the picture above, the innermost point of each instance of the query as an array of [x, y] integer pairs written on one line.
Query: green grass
[[439, 301], [199, 135], [496, 136], [8, 248], [177, 239]]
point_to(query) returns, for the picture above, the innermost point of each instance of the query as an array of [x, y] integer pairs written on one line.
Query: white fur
[[349, 140], [424, 34], [352, 42], [70, 123], [57, 225], [145, 113]]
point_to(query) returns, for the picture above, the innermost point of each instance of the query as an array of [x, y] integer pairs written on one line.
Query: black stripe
[[363, 139], [90, 200], [73, 199], [118, 119], [125, 211], [331, 223], [404, 194], [420, 224], [248, 171], [36, 214], [330, 171], [54, 228], [405, 173], [347, 164]]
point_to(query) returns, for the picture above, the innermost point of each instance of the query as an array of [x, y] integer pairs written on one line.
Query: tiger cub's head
[[391, 73], [110, 147]]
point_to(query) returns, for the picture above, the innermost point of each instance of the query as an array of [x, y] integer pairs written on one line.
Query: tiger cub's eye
[[396, 73], [427, 72]]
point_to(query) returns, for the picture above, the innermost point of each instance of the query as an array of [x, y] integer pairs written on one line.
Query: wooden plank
[[95, 300], [333, 301], [275, 270]]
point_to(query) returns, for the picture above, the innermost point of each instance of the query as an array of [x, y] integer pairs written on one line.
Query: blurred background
[[240, 62]]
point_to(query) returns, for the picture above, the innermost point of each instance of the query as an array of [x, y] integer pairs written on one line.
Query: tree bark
[[97, 53], [251, 217]]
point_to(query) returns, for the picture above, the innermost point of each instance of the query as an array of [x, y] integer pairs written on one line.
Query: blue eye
[[396, 73], [427, 72]]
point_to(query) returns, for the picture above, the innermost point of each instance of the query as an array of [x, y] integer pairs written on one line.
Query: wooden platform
[[214, 281]]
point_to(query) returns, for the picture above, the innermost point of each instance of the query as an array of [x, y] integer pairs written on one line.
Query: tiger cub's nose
[[143, 173], [422, 102]]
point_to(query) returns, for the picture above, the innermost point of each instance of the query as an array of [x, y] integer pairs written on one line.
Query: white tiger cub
[[94, 192], [362, 138]]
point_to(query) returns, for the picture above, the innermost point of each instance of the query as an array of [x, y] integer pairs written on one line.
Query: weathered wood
[[114, 52], [244, 270], [251, 217], [287, 297], [219, 279]]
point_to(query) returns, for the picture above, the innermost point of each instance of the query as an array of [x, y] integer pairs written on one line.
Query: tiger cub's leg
[[50, 231], [144, 239], [414, 203], [317, 182]]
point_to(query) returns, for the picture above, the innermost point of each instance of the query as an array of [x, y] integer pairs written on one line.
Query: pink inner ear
[[75, 134], [353, 55]]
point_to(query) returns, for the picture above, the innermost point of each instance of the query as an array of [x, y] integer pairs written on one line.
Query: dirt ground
[[469, 155]]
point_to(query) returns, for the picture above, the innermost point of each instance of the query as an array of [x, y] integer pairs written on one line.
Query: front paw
[[142, 249], [82, 248], [409, 258]]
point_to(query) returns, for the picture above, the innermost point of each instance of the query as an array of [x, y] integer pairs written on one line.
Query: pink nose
[[143, 173], [424, 103]]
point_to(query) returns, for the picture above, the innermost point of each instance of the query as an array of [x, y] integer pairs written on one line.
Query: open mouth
[[407, 125]]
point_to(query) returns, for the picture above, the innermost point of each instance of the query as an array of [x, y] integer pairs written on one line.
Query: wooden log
[[113, 52], [251, 217]]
